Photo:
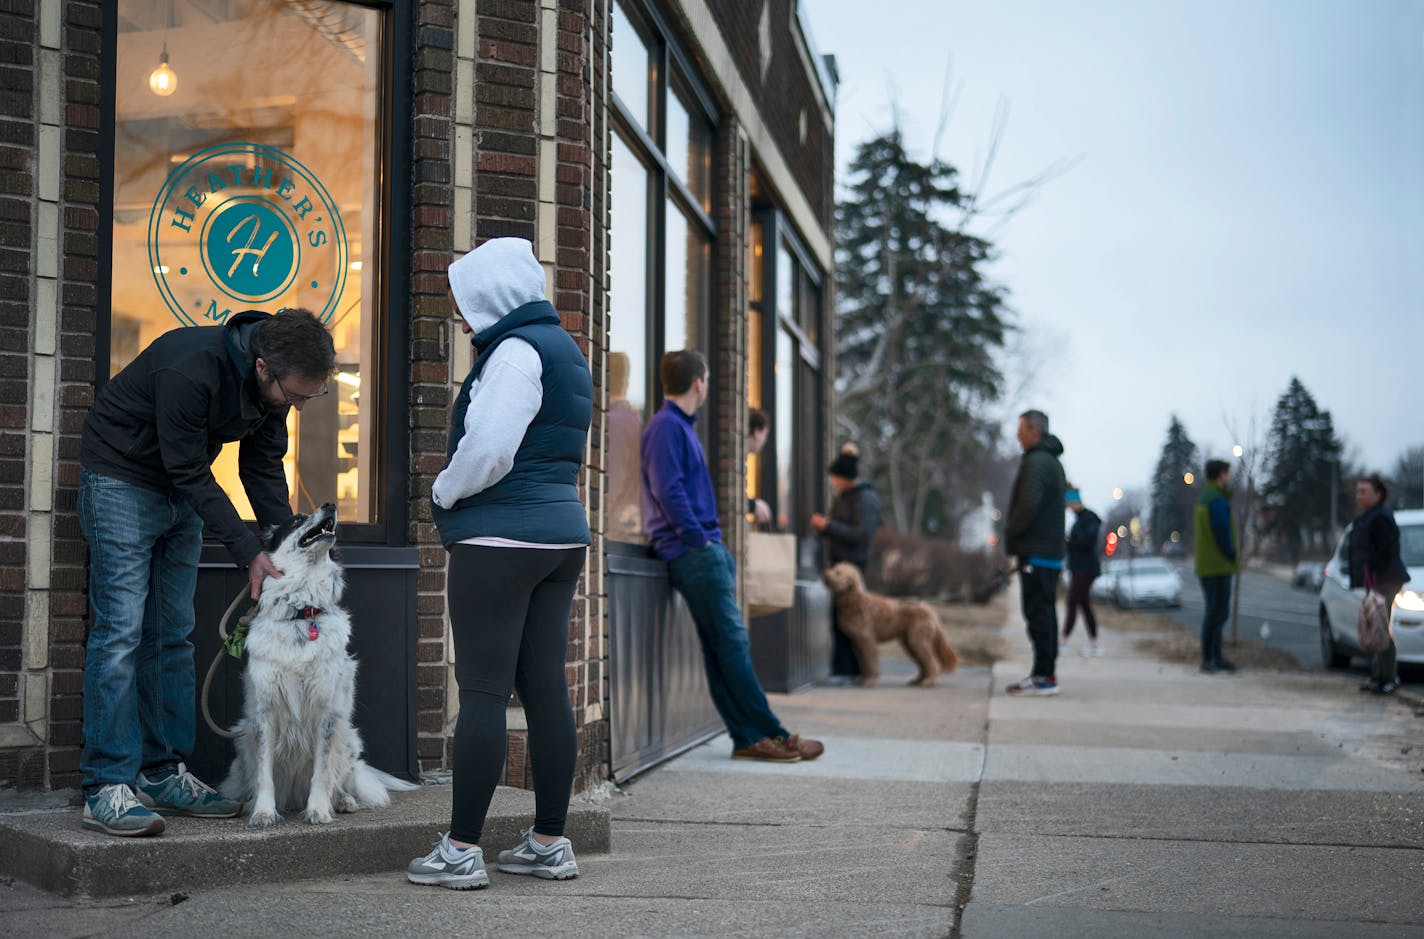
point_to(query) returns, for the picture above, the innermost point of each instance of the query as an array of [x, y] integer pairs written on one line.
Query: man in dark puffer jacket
[[1034, 533]]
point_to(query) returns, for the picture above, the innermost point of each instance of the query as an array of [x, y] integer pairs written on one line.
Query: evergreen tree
[[919, 325], [1302, 472], [1406, 483], [1172, 496]]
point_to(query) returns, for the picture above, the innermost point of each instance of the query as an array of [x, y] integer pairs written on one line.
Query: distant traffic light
[[1111, 545]]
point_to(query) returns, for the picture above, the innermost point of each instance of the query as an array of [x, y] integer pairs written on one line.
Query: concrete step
[[48, 848]]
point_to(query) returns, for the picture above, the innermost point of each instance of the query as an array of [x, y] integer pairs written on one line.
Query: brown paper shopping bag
[[770, 572]]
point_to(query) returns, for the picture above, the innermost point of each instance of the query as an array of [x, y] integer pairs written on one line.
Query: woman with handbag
[[1375, 564]]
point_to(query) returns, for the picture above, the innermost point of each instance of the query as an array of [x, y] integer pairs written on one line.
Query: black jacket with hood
[[1374, 546], [851, 525], [1035, 525], [162, 421], [1083, 544]]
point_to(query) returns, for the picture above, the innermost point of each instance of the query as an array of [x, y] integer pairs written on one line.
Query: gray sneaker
[[115, 810], [182, 793], [449, 866], [551, 862]]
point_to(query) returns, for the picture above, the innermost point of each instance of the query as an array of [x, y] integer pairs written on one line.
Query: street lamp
[[1236, 451]]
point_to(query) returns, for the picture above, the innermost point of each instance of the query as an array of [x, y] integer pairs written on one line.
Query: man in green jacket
[[1034, 534], [1216, 559]]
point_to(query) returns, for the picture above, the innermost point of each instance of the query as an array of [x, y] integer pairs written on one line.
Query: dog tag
[[312, 632]]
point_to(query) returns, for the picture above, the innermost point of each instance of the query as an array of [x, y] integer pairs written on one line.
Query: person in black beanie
[[847, 532]]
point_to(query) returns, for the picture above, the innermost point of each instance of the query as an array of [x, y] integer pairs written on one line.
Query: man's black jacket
[[161, 422]]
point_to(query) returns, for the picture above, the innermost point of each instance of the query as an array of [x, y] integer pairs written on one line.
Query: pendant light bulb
[[163, 81]]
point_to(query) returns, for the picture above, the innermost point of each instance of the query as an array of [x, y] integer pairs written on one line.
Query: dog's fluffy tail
[[944, 651], [371, 785]]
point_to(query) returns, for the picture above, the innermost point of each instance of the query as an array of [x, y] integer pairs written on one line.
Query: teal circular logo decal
[[244, 225]]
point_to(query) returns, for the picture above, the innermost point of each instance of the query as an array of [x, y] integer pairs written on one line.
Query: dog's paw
[[263, 818], [922, 683], [318, 815], [867, 681], [345, 802]]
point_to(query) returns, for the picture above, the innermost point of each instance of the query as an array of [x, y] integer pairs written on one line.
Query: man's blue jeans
[[138, 667], [707, 580]]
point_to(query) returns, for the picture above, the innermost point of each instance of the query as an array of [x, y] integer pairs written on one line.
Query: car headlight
[[1410, 600]]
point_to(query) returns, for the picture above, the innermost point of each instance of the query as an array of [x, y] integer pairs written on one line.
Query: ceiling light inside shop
[[163, 81]]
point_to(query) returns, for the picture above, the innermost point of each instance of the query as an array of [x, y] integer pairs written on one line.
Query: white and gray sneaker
[[449, 866], [551, 862]]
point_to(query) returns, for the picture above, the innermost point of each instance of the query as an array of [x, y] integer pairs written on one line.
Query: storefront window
[[627, 343], [660, 245], [631, 65], [756, 323], [785, 430], [686, 281], [689, 145], [247, 172], [785, 371]]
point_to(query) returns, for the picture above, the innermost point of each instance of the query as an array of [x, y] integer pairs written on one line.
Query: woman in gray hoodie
[[508, 509]]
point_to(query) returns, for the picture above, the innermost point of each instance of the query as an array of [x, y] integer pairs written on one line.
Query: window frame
[[393, 191]]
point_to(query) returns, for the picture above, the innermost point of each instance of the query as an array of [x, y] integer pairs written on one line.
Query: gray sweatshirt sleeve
[[503, 402]]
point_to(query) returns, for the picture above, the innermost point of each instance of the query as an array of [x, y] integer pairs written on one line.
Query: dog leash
[[231, 645]]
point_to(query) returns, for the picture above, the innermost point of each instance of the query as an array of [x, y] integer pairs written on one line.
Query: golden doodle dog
[[869, 619]]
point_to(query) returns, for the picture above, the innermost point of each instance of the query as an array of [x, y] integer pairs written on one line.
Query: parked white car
[[1147, 582], [1104, 583], [1340, 606]]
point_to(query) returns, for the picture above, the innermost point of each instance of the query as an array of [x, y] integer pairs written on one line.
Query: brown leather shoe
[[808, 748], [768, 750]]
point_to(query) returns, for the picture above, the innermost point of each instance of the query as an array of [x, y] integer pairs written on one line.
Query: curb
[[50, 850]]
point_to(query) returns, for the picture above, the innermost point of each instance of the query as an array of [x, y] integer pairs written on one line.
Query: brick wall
[[49, 263], [534, 173], [732, 215], [431, 226], [785, 95]]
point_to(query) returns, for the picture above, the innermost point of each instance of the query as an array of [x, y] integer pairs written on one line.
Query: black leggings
[[1080, 597], [509, 615]]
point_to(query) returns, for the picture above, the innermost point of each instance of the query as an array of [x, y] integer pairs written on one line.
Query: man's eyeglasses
[[298, 399]]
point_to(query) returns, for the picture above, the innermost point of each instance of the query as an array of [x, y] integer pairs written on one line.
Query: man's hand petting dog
[[259, 570]]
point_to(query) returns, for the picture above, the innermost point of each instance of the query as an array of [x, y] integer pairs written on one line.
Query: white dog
[[297, 743]]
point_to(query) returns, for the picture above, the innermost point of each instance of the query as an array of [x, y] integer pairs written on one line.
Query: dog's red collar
[[310, 614]]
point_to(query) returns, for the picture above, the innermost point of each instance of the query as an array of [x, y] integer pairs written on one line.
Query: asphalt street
[[1280, 616]]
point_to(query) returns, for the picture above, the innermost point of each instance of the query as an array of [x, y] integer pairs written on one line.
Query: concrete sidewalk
[[1147, 799]]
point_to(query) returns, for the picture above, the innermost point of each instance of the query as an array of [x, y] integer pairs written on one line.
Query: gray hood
[[496, 278]]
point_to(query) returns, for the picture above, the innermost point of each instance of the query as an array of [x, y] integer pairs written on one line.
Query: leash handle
[[213, 668]]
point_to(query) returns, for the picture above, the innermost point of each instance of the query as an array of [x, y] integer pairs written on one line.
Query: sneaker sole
[[153, 828], [452, 881], [769, 759], [562, 872]]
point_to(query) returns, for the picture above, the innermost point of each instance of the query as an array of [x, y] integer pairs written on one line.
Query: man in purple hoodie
[[680, 514]]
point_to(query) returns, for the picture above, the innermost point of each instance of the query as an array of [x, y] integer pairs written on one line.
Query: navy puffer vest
[[538, 500]]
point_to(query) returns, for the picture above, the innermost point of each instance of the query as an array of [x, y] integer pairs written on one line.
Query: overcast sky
[[1247, 204]]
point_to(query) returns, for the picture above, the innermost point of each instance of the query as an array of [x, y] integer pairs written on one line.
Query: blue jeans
[[138, 666], [1216, 593], [707, 580]]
